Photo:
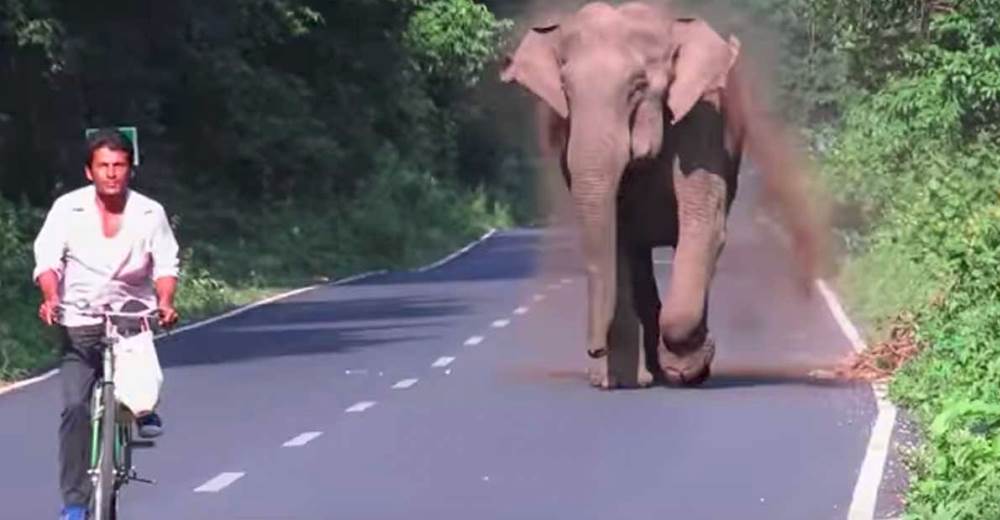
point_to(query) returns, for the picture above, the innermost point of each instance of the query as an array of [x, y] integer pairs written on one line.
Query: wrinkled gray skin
[[643, 111]]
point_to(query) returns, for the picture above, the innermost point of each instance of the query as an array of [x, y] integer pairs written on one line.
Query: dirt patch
[[880, 361]]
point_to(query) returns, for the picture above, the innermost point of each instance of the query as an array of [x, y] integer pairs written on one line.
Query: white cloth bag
[[138, 376]]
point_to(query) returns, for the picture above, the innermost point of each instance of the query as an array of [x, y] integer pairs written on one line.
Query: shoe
[[73, 513], [150, 425]]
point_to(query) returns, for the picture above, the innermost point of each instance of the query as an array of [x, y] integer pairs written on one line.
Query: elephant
[[649, 115]]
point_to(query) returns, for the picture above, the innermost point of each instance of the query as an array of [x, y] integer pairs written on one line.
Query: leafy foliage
[[291, 140], [454, 38], [918, 157]]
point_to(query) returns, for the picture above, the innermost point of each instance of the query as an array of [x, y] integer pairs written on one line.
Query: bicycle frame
[[123, 435], [122, 443]]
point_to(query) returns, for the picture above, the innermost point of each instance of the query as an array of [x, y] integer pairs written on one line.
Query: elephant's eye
[[639, 85]]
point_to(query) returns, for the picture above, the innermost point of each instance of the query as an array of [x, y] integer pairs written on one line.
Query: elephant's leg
[[647, 306], [596, 205], [625, 365], [700, 184]]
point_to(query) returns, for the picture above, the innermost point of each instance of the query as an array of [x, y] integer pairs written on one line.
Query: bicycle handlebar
[[91, 312]]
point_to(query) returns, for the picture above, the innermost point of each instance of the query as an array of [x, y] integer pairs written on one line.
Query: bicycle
[[111, 422]]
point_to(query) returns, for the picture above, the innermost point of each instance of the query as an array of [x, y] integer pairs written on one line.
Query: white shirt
[[105, 270]]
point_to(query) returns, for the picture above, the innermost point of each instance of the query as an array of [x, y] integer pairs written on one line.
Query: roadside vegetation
[[291, 141], [902, 100]]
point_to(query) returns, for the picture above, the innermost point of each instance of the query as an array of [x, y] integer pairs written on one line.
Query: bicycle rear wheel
[[104, 487]]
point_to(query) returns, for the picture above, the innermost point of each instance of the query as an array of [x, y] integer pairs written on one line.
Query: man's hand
[[168, 315], [47, 311], [165, 288], [48, 282]]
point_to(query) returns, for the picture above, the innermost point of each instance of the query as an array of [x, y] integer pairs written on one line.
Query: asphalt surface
[[508, 429]]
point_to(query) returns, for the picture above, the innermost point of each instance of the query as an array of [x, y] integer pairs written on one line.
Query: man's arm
[[166, 268], [165, 289], [49, 247], [48, 282]]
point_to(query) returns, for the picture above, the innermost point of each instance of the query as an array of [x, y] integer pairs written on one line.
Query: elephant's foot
[[644, 378], [597, 372], [689, 368], [601, 377]]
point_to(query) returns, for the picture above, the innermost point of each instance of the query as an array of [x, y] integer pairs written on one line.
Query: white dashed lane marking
[[521, 310], [566, 281], [474, 340], [302, 439], [360, 407], [554, 286], [538, 297], [499, 324], [443, 361], [219, 482], [406, 383]]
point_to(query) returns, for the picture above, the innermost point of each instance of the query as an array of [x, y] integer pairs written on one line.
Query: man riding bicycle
[[104, 244]]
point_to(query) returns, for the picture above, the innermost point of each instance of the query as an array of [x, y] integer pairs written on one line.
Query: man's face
[[109, 171]]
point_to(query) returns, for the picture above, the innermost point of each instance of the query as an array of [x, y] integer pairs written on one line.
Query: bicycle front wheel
[[104, 487]]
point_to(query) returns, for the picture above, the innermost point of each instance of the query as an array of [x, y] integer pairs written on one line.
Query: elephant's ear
[[535, 65], [701, 64]]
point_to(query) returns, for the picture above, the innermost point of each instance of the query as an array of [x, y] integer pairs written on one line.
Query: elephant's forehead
[[593, 32], [642, 27], [596, 17], [596, 10]]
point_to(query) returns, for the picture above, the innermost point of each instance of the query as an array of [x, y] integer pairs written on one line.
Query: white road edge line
[[272, 299], [209, 321], [473, 341], [443, 361], [841, 317], [865, 497], [458, 253], [219, 482], [360, 407], [301, 439], [28, 382], [405, 383]]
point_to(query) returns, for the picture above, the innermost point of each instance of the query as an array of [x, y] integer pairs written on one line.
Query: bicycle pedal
[[144, 480], [142, 445]]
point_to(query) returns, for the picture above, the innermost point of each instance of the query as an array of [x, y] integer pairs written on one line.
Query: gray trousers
[[79, 369]]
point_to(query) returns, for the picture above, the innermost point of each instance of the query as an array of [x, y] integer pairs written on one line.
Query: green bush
[[24, 343], [927, 188]]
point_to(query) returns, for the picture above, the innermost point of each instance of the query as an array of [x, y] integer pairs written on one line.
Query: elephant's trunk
[[597, 154], [701, 199], [647, 128]]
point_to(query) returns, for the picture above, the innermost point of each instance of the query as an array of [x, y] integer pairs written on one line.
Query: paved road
[[508, 429]]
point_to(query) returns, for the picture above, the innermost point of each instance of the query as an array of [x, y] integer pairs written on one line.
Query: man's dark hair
[[109, 138]]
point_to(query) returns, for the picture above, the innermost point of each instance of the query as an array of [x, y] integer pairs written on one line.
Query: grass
[[930, 251], [883, 284]]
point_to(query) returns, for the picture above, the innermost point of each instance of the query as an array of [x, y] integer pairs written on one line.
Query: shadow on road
[[322, 326], [722, 378], [508, 256]]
